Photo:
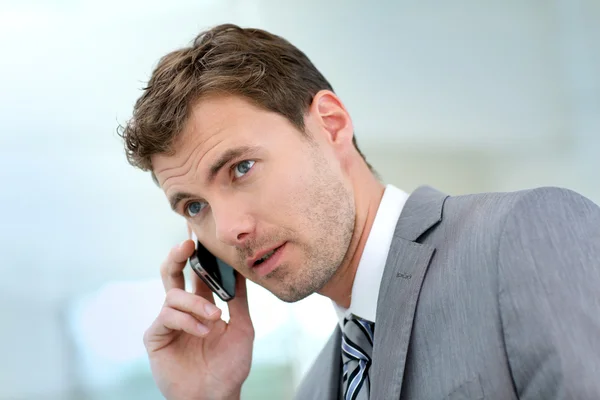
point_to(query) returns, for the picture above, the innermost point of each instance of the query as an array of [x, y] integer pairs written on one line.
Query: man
[[492, 296]]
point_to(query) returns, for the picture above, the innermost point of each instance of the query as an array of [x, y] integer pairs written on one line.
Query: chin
[[291, 292], [291, 297], [291, 285]]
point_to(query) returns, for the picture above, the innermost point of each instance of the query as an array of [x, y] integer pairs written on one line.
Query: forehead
[[215, 125]]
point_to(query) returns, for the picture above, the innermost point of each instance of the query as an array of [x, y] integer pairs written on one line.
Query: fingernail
[[202, 329], [210, 309]]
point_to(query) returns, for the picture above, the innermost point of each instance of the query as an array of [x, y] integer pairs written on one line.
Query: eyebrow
[[177, 198], [216, 166], [226, 158]]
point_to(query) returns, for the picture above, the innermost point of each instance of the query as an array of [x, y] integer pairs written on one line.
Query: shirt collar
[[365, 289]]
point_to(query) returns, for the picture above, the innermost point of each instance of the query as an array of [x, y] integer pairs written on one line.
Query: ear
[[332, 118]]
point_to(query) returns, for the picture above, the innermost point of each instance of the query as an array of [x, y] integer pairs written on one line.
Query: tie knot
[[357, 339], [357, 324]]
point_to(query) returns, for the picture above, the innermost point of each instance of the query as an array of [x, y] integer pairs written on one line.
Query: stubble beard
[[331, 214]]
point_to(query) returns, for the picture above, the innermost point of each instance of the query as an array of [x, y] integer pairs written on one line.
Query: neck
[[368, 194]]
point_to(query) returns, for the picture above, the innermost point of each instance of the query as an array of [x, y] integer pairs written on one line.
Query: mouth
[[266, 261], [265, 257]]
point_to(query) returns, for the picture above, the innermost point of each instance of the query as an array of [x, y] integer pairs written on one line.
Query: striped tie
[[357, 346]]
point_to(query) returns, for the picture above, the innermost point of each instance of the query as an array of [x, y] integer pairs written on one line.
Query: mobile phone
[[218, 275]]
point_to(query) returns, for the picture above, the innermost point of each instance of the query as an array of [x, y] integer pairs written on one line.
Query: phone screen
[[218, 275]]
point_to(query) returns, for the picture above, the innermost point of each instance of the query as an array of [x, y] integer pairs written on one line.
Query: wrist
[[233, 396]]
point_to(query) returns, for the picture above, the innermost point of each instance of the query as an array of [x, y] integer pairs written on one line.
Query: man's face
[[249, 182]]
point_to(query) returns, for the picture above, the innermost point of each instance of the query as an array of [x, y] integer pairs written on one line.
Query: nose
[[233, 223]]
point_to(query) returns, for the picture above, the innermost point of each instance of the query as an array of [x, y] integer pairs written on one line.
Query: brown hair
[[257, 65]]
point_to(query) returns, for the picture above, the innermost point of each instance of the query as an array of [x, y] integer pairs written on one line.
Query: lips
[[261, 257], [264, 258], [267, 261]]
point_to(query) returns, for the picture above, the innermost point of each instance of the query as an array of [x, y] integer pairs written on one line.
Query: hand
[[193, 353]]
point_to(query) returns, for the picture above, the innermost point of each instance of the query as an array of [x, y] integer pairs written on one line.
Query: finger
[[170, 320], [238, 306], [190, 303], [171, 270]]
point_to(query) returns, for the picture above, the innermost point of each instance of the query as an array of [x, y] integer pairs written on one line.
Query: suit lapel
[[322, 381], [333, 358], [403, 277]]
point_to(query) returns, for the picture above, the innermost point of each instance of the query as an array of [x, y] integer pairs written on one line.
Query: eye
[[242, 168], [194, 208]]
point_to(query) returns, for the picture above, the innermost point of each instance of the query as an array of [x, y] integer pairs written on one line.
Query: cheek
[[288, 196], [221, 251], [206, 235], [205, 230]]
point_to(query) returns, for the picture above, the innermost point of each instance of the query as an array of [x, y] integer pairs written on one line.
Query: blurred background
[[466, 96]]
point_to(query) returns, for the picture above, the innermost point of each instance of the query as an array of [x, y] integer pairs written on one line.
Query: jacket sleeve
[[549, 294]]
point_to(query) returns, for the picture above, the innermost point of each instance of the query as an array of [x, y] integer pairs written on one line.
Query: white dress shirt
[[365, 289]]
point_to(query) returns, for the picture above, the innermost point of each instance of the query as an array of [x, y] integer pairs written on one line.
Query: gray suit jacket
[[486, 296]]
